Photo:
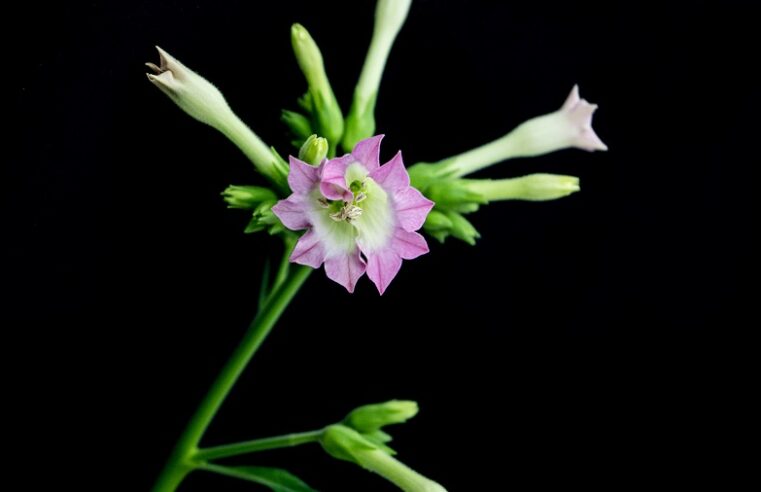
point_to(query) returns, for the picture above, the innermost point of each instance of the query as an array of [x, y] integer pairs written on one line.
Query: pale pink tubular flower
[[360, 216], [570, 126]]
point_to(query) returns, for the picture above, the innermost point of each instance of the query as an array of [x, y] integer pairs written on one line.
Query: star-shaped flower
[[360, 217]]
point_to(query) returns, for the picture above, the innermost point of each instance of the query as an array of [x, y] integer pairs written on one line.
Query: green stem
[[235, 449], [181, 462], [234, 473], [282, 273], [255, 149], [472, 160]]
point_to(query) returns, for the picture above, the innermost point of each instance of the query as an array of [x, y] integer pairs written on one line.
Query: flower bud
[[262, 218], [371, 418], [437, 221], [347, 444], [247, 197], [204, 102], [447, 222], [326, 113], [534, 187], [314, 150], [192, 93]]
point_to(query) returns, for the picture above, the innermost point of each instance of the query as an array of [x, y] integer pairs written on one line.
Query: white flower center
[[367, 219]]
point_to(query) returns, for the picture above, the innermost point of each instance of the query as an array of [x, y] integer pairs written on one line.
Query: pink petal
[[345, 269], [572, 99], [333, 179], [292, 213], [588, 140], [382, 267], [367, 152], [301, 177], [308, 251], [408, 245], [581, 115], [392, 176], [580, 112], [411, 208]]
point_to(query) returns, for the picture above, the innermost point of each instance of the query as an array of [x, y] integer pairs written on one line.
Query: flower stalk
[[181, 462], [257, 445], [360, 122]]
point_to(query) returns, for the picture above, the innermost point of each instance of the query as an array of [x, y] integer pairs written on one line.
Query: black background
[[581, 342]]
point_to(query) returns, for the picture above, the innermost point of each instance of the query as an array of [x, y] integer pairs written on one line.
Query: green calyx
[[369, 419], [247, 197], [345, 443]]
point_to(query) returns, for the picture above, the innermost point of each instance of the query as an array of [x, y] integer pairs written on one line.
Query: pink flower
[[360, 216], [579, 114]]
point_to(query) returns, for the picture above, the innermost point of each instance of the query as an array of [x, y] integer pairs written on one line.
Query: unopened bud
[[314, 150], [534, 187], [247, 197], [371, 418], [326, 113], [347, 444]]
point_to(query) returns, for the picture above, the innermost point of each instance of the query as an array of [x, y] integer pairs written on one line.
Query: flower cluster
[[359, 217]]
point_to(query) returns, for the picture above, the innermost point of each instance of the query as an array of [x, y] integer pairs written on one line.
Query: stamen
[[348, 213]]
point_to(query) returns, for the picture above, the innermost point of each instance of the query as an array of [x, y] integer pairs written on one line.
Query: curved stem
[[238, 448], [181, 462]]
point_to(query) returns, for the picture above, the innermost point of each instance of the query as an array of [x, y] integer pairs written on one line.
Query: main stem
[[181, 461]]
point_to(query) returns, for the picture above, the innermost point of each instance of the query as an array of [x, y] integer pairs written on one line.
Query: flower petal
[[337, 237], [302, 177], [367, 152], [345, 269], [585, 137], [392, 176], [375, 227], [382, 267], [572, 99], [292, 212], [308, 250], [411, 208], [333, 179], [408, 245]]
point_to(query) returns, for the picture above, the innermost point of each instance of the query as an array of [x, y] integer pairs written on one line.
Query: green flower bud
[[534, 187], [314, 150], [462, 229], [326, 113], [247, 197], [371, 418], [347, 444], [437, 221], [344, 443], [262, 218]]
